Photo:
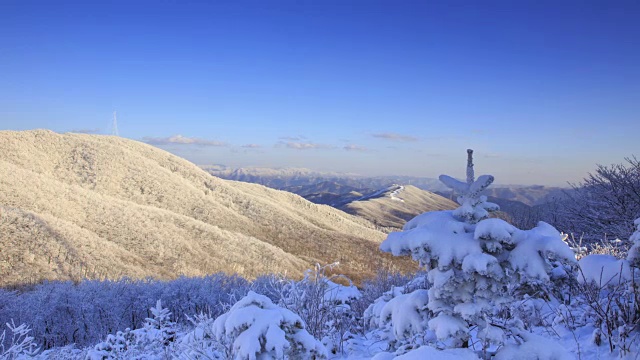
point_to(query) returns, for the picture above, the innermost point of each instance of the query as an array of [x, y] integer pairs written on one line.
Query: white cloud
[[353, 147], [395, 137], [304, 146], [182, 140], [293, 138]]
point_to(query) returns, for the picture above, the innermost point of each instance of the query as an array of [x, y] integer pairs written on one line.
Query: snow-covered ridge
[[392, 191]]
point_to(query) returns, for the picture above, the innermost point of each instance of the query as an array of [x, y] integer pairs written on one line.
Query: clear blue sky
[[541, 90]]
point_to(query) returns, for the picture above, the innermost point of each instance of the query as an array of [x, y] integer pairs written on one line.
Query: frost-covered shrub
[[256, 328], [19, 342], [201, 343], [634, 253], [476, 265], [605, 203], [324, 305], [372, 289], [63, 313], [158, 333], [609, 291]]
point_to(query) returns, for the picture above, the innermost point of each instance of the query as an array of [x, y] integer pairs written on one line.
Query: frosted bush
[[20, 344], [634, 252], [63, 313], [154, 339], [256, 328], [324, 305]]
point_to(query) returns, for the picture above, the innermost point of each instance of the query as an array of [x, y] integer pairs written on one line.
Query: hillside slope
[[77, 205], [395, 205]]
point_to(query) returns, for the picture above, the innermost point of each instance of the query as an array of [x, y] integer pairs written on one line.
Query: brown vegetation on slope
[[394, 211], [79, 205]]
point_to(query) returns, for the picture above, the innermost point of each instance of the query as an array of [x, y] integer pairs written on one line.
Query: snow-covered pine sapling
[[475, 263], [256, 328], [161, 323]]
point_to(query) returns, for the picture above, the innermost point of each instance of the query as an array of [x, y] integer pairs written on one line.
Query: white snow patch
[[603, 269]]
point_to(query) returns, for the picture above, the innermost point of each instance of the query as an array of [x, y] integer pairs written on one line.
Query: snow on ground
[[603, 269], [394, 195]]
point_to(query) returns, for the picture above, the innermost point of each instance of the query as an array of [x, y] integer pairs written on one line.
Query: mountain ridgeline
[[78, 206]]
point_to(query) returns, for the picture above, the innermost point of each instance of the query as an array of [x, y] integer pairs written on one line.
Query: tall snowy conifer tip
[[473, 206]]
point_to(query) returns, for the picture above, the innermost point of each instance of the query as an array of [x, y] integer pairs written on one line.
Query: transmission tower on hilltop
[[114, 125]]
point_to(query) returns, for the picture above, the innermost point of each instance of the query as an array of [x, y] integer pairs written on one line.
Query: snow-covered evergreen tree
[[475, 263], [161, 323]]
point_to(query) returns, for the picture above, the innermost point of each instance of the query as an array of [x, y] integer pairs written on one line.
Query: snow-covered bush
[[476, 265], [634, 253], [372, 289], [63, 313], [610, 293], [324, 305], [256, 328], [158, 333]]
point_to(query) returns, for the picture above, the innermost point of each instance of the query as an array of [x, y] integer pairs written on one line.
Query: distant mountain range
[[290, 177], [77, 205], [325, 185]]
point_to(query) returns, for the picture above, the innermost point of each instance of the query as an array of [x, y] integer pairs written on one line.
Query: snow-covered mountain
[[300, 180], [80, 205], [395, 205]]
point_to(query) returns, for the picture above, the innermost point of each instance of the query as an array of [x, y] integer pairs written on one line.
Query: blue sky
[[541, 90]]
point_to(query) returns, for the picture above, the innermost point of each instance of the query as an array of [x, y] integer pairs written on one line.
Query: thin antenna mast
[[114, 129]]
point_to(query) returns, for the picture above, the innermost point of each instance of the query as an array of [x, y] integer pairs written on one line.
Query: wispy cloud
[[293, 138], [182, 140], [304, 145], [85, 131], [395, 137], [251, 146], [353, 147]]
